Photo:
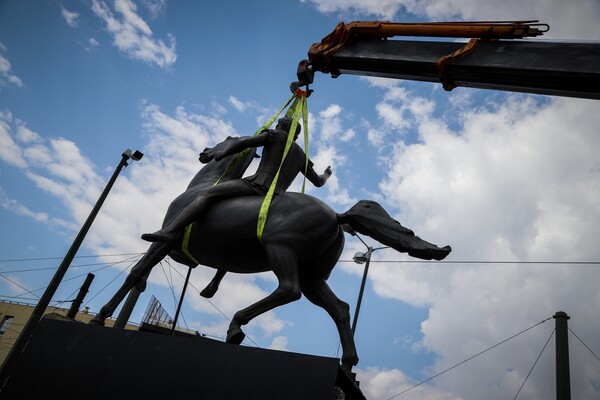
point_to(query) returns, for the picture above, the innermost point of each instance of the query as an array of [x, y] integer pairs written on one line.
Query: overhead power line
[[550, 262], [60, 258]]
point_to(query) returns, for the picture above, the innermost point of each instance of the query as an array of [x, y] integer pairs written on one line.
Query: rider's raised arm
[[316, 179], [235, 147], [244, 143]]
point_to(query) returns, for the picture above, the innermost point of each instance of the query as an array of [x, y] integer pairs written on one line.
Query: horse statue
[[302, 242]]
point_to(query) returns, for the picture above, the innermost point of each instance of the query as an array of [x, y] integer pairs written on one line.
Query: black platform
[[72, 360]]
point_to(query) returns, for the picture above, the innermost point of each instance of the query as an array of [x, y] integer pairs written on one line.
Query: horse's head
[[230, 167]]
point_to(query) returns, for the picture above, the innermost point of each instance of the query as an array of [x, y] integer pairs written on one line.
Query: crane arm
[[490, 60]]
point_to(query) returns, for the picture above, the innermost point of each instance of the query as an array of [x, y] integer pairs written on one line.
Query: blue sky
[[499, 176]]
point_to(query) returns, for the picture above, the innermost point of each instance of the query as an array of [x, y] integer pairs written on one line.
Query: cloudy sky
[[510, 181]]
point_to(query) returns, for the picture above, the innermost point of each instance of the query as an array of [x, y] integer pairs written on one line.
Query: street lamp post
[[42, 304], [362, 258]]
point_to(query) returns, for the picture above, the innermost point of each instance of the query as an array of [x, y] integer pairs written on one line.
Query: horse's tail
[[369, 218]]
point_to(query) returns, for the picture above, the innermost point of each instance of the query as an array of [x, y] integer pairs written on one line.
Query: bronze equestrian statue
[[302, 241]]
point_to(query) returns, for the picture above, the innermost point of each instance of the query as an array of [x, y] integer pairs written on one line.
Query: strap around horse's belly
[[186, 242]]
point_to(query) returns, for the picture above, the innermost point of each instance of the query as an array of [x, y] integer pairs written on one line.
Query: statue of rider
[[273, 143]]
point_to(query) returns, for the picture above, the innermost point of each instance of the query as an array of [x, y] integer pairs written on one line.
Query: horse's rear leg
[[319, 293], [155, 253], [284, 264]]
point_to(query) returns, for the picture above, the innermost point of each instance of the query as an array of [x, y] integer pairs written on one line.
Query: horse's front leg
[[156, 252], [284, 264], [210, 289]]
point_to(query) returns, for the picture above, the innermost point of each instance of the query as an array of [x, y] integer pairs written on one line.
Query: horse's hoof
[[235, 336], [209, 291], [161, 237], [349, 362], [97, 321]]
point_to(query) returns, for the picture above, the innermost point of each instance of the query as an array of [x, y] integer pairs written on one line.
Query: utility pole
[[563, 376]]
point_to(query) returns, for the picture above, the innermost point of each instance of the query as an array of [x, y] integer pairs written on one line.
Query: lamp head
[[135, 156], [360, 258]]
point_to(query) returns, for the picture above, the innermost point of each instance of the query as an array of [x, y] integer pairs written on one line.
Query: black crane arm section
[[491, 60]]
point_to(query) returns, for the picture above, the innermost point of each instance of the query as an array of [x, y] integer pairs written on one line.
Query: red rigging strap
[[344, 34]]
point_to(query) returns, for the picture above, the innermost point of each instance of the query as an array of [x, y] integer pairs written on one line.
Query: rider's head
[[285, 123]]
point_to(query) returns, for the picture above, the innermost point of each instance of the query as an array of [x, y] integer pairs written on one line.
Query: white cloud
[[26, 135], [379, 384], [330, 123], [155, 7], [6, 75], [133, 36], [238, 104], [383, 8], [92, 43], [567, 21], [279, 343], [70, 17], [518, 181], [243, 106], [10, 152], [15, 207]]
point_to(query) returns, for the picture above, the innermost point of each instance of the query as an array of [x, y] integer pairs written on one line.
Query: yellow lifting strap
[[297, 107]]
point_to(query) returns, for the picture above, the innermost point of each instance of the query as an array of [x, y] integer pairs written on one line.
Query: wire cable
[[171, 268], [534, 364], [60, 258], [479, 262], [586, 346], [217, 308], [343, 261], [22, 287], [169, 284], [468, 359], [107, 265], [107, 285]]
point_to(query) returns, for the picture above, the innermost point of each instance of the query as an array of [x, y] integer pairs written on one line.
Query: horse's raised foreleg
[[318, 292], [284, 263], [156, 252], [210, 289]]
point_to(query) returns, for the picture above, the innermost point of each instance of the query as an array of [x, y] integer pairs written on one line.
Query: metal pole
[[563, 376], [362, 289], [41, 306], [187, 279], [127, 308], [80, 296]]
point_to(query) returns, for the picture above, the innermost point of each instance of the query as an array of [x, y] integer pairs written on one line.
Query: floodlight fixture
[[135, 156]]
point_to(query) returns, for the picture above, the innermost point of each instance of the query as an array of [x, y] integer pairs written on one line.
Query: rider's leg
[[225, 190]]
